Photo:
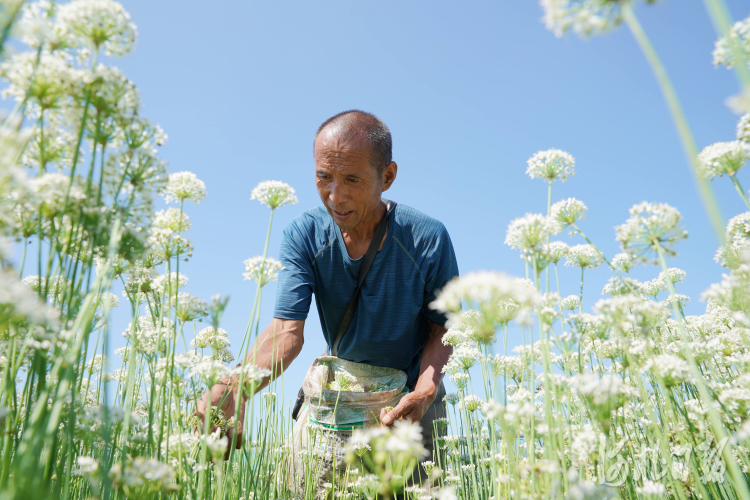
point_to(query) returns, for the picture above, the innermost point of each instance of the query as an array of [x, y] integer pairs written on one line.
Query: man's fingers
[[403, 408]]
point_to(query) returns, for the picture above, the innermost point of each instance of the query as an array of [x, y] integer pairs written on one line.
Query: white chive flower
[[583, 256], [675, 275], [568, 211], [530, 231], [46, 80], [740, 34], [471, 403], [275, 194], [189, 307], [216, 338], [670, 369], [582, 17], [649, 225], [652, 489], [555, 251], [101, 24], [142, 477], [261, 270], [484, 291], [168, 283], [743, 129], [738, 228], [344, 381], [183, 186], [623, 262], [51, 190], [723, 158], [570, 303], [551, 165], [172, 219]]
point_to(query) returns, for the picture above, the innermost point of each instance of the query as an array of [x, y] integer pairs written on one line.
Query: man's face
[[348, 185]]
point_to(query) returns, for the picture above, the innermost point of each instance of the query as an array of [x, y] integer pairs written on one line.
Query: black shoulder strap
[[366, 263]]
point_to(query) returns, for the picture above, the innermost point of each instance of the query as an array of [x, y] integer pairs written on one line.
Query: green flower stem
[[722, 21], [549, 205], [77, 149], [580, 309], [678, 116], [739, 189]]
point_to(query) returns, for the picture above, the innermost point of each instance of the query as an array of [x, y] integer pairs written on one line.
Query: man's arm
[[275, 349], [435, 355]]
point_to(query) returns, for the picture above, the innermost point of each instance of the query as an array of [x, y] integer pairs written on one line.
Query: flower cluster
[[739, 37], [723, 158], [262, 270], [551, 165], [275, 194]]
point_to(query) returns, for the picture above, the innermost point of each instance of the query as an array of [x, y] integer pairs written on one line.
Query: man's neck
[[357, 239]]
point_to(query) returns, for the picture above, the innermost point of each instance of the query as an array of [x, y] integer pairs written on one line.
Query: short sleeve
[[440, 267], [297, 280]]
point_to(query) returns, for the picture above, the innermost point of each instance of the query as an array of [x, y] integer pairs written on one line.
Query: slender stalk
[[739, 189], [678, 117]]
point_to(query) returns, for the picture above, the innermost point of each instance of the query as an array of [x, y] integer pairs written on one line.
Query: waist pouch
[[346, 409]]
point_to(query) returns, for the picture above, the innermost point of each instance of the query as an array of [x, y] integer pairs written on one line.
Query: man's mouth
[[341, 215]]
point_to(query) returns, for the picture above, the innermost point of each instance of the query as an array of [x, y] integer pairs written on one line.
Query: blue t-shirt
[[389, 327]]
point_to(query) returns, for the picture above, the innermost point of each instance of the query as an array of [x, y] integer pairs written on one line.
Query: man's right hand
[[224, 395]]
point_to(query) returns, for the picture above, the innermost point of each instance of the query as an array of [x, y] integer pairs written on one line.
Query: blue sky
[[470, 91]]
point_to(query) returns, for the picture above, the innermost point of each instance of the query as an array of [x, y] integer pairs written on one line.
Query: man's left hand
[[412, 407]]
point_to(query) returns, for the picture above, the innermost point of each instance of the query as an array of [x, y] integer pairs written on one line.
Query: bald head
[[359, 126]]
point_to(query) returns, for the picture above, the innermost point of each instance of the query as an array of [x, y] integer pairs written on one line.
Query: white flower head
[[555, 251], [183, 186], [739, 103], [45, 81], [101, 24], [739, 33], [215, 444], [172, 219], [570, 303], [723, 158], [484, 291], [275, 194], [216, 338], [87, 465], [743, 129], [582, 17], [530, 231], [650, 226], [262, 270], [568, 211], [651, 489], [623, 262], [52, 189], [551, 165], [169, 283], [738, 228], [583, 256], [471, 403]]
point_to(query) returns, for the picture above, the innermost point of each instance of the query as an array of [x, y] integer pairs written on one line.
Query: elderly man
[[322, 251]]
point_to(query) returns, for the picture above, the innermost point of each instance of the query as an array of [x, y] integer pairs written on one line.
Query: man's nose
[[338, 194]]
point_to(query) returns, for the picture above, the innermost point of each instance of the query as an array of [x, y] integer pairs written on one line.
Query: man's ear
[[389, 175]]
